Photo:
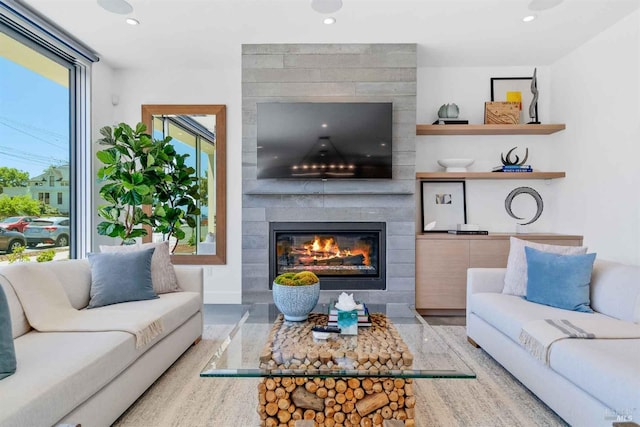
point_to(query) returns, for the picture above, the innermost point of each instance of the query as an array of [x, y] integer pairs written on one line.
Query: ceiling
[[208, 33]]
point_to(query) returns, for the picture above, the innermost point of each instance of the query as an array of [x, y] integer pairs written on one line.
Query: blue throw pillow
[[559, 280], [120, 277], [7, 350]]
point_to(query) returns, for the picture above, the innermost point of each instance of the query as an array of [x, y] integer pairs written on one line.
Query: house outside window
[[44, 121]]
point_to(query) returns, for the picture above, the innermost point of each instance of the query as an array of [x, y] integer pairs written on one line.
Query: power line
[[29, 126], [31, 135]]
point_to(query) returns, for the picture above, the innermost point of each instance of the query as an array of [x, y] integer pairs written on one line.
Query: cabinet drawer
[[488, 253], [441, 274]]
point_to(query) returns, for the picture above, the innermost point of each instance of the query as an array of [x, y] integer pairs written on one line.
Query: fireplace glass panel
[[334, 254], [342, 255]]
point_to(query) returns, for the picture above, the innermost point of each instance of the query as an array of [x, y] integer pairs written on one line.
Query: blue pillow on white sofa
[[7, 350], [560, 281], [120, 277]]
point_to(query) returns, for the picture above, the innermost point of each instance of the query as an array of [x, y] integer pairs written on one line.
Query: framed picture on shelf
[[514, 89], [443, 205]]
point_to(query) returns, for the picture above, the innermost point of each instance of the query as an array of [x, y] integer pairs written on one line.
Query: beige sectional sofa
[[91, 378], [588, 382]]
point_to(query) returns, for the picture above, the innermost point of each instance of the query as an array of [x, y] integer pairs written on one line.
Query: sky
[[34, 120]]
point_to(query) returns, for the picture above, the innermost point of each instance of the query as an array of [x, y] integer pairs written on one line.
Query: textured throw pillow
[[163, 275], [120, 277], [7, 350], [559, 280], [515, 279]]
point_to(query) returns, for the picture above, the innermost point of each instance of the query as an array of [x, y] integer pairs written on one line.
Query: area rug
[[181, 398]]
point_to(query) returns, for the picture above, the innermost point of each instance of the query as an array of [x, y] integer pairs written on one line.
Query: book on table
[[364, 324], [361, 318], [361, 312], [363, 315]]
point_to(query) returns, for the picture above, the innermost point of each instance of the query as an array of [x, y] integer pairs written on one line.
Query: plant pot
[[296, 302]]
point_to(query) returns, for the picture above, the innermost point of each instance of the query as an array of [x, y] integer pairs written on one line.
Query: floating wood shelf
[[542, 129], [489, 175]]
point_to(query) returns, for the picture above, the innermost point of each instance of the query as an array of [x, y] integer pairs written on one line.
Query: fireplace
[[344, 255]]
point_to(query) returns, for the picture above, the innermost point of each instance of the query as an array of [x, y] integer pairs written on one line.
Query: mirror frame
[[220, 111]]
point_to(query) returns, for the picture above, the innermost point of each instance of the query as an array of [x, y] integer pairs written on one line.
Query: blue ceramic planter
[[296, 302]]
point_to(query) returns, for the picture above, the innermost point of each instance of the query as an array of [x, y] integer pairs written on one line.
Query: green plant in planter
[[140, 171], [303, 278], [295, 294]]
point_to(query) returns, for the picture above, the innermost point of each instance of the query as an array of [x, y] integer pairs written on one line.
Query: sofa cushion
[[173, 309], [607, 369], [75, 277], [515, 279], [19, 323], [120, 277], [508, 313], [163, 275], [58, 371], [559, 280], [7, 351], [615, 290]]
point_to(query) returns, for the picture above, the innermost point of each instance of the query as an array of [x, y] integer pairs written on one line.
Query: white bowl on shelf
[[455, 165]]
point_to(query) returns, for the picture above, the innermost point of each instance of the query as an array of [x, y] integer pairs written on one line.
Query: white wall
[[101, 115], [596, 91], [469, 88], [170, 85]]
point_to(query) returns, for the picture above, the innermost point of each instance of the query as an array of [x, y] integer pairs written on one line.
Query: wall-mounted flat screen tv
[[308, 140]]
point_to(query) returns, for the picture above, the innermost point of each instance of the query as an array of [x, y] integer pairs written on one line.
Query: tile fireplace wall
[[331, 73]]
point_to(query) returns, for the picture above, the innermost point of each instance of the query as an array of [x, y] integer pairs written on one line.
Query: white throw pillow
[[163, 276], [515, 279]]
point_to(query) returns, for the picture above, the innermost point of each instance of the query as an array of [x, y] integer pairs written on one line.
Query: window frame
[[25, 25]]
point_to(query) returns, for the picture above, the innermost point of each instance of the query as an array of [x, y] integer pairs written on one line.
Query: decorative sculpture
[[448, 111], [508, 162], [533, 108], [524, 190]]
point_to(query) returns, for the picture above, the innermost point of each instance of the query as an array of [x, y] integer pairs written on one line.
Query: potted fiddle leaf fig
[[140, 171]]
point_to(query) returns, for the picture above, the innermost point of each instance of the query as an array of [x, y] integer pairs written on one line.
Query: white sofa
[[589, 382], [91, 378]]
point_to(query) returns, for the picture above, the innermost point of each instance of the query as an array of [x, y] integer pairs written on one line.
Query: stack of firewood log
[[348, 402], [376, 349], [356, 401]]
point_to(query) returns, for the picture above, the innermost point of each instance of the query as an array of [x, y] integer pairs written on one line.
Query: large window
[[44, 161]]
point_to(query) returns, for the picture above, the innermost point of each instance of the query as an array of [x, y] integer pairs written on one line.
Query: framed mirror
[[200, 131]]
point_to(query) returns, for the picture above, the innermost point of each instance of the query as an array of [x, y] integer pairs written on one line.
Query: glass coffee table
[[358, 380]]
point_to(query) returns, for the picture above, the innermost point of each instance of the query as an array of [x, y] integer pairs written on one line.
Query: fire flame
[[327, 248]]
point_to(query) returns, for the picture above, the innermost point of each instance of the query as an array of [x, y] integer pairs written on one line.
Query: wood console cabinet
[[442, 260]]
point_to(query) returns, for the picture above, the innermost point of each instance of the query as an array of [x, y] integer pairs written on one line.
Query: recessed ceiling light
[[529, 18], [326, 6], [324, 125], [329, 21], [121, 7], [543, 4], [132, 21]]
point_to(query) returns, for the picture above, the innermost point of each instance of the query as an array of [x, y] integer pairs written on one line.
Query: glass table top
[[400, 343]]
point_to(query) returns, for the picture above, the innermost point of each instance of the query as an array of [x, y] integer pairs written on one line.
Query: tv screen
[[305, 140]]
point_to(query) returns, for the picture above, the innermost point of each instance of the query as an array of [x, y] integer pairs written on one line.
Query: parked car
[[52, 230], [16, 223], [11, 240]]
